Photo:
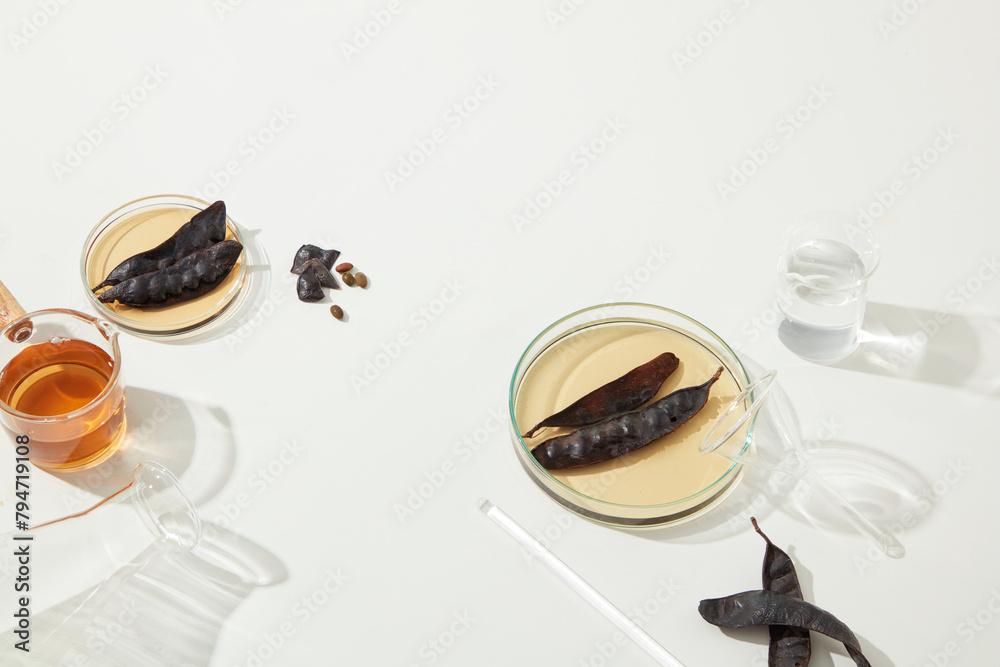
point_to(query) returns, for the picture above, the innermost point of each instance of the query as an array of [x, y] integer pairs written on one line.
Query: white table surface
[[274, 429]]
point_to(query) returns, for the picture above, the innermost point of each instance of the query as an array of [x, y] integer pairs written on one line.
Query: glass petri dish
[[143, 224], [666, 482]]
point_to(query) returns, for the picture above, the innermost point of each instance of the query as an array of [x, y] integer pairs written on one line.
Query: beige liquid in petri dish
[[142, 230], [667, 470]]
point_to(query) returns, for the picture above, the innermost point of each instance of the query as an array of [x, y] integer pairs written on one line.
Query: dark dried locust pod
[[626, 393], [313, 278], [750, 608], [789, 646], [625, 433], [308, 251], [205, 229], [323, 274], [308, 288], [197, 274]]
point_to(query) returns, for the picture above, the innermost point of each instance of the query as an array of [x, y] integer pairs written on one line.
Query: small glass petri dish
[[666, 482], [143, 224]]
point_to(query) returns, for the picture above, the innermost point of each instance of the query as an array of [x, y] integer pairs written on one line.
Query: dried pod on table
[[323, 275], [751, 608], [196, 274], [313, 278], [205, 229], [625, 433], [789, 646], [308, 251], [623, 394]]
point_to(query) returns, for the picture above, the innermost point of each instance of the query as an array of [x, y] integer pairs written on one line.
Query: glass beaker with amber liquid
[[60, 384]]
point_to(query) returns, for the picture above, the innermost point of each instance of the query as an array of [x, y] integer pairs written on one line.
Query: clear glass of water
[[825, 262]]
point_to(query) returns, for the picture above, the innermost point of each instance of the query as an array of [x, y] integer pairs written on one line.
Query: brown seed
[[361, 279], [344, 266], [337, 312], [348, 279]]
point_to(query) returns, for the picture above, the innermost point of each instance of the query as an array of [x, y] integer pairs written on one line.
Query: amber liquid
[[62, 380]]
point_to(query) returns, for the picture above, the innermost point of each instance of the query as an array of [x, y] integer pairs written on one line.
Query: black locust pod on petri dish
[[147, 237], [622, 394]]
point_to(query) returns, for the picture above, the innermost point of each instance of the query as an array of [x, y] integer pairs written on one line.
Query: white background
[[165, 99]]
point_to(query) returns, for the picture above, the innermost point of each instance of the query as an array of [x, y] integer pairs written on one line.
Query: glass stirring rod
[[577, 583]]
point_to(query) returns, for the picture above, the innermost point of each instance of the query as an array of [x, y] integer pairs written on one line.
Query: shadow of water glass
[[947, 349]]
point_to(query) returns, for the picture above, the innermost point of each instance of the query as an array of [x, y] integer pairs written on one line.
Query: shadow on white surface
[[165, 608], [925, 346], [173, 432], [882, 489], [885, 489]]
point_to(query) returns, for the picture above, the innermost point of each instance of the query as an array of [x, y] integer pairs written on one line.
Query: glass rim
[[756, 391], [178, 329], [112, 336], [871, 257], [147, 512], [548, 474]]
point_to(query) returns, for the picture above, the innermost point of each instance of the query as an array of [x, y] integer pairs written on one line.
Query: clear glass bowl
[[140, 225], [668, 481]]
